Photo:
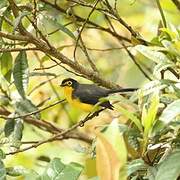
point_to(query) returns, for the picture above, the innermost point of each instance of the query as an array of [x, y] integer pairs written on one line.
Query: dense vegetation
[[113, 43]]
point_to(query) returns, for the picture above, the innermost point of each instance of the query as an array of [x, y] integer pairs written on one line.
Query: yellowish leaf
[[107, 161]]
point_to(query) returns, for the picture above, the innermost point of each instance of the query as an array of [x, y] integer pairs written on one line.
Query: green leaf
[[149, 118], [169, 168], [25, 106], [9, 127], [152, 54], [6, 65], [2, 171], [57, 170], [16, 136], [170, 112], [53, 169], [21, 73], [135, 165], [131, 116], [71, 171]]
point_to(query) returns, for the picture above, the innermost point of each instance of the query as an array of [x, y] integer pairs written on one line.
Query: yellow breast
[[76, 102]]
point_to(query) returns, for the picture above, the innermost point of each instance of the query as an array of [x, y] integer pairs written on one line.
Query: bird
[[86, 96]]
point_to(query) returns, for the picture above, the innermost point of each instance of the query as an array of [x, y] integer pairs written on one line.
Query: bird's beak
[[62, 85]]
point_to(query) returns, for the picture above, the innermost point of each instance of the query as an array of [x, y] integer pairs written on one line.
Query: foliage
[[42, 42]]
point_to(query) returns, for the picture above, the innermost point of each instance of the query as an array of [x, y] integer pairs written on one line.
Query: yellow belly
[[76, 102]]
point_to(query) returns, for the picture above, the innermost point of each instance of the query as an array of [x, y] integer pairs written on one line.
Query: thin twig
[[162, 14], [80, 38], [61, 135], [34, 112], [18, 49], [135, 62]]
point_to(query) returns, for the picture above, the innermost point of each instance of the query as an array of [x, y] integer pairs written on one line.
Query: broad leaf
[[6, 65], [107, 161], [169, 168], [116, 139], [57, 170], [170, 112], [21, 73]]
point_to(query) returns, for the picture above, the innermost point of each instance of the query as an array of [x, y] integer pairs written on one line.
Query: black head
[[69, 82]]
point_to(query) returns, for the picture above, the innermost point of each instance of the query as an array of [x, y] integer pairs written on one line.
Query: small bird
[[85, 96]]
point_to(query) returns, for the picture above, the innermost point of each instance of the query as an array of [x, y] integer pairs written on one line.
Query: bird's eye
[[69, 83]]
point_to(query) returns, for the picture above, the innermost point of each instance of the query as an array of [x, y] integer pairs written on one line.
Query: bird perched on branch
[[85, 96]]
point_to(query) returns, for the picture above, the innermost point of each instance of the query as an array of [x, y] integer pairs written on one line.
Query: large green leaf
[[6, 65], [57, 170], [2, 171], [169, 168], [25, 106], [21, 73], [170, 112]]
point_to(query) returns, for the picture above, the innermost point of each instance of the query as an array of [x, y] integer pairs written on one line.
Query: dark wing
[[89, 93]]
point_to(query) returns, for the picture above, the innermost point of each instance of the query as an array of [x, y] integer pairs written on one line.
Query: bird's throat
[[76, 102]]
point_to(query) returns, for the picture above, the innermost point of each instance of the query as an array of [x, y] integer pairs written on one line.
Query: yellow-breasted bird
[[85, 96]]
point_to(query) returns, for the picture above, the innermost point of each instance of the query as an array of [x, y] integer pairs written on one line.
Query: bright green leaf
[[6, 65], [151, 113], [21, 73]]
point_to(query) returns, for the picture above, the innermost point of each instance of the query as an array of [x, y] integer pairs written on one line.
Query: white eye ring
[[69, 83]]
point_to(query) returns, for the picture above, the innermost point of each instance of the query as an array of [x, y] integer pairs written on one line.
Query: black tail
[[122, 90]]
